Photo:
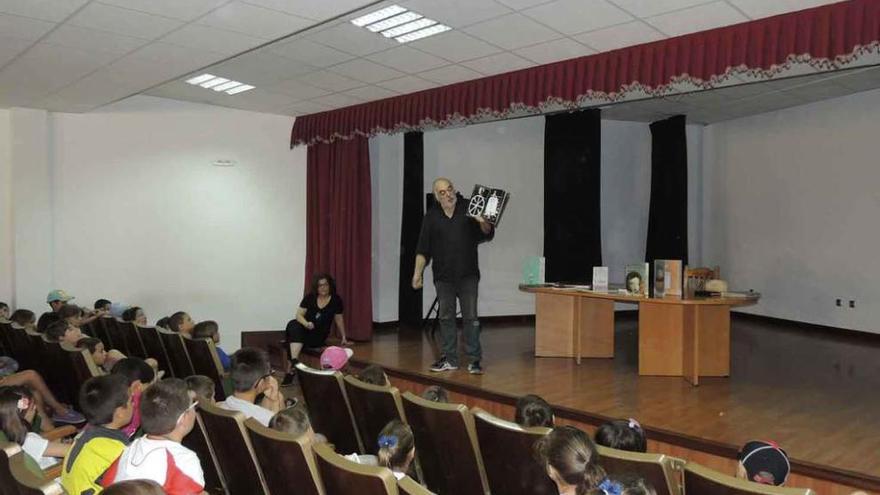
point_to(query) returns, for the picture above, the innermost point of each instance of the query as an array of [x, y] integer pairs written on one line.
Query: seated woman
[[317, 311], [135, 314]]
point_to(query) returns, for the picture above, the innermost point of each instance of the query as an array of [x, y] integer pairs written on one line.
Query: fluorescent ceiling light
[[226, 85], [408, 27], [394, 21], [378, 15], [423, 33], [201, 79], [213, 82], [239, 89]]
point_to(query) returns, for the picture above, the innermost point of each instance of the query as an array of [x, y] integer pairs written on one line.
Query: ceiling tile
[[455, 46], [309, 52], [180, 90], [498, 63], [123, 21], [91, 40], [306, 108], [820, 91], [648, 8], [330, 81], [261, 68], [213, 39], [254, 21], [258, 100], [352, 39], [10, 48], [371, 93], [694, 19], [624, 35], [450, 74], [458, 13], [337, 100], [512, 31], [297, 89], [408, 59], [94, 89], [185, 10], [366, 71], [47, 10], [407, 84], [523, 4], [23, 28], [318, 10], [757, 9], [554, 51], [577, 16], [46, 68]]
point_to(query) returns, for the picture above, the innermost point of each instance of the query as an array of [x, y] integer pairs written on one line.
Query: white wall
[[510, 155], [791, 208], [139, 214], [7, 290]]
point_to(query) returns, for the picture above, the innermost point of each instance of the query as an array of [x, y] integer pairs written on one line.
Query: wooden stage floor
[[814, 392]]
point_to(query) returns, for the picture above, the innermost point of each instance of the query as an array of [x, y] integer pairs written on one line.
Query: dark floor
[[813, 391]]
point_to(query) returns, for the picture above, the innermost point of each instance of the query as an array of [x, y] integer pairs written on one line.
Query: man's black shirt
[[451, 243]]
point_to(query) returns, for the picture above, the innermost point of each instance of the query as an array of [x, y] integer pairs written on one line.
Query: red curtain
[[821, 36], [338, 199]]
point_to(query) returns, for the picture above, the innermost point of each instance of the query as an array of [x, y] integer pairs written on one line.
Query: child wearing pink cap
[[335, 358]]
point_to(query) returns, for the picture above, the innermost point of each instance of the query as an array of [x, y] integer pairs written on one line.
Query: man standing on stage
[[449, 238]]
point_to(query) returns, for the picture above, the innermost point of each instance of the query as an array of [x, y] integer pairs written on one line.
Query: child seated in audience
[[63, 332], [622, 435], [201, 389], [43, 397], [139, 376], [72, 314], [18, 409], [47, 319], [763, 462], [571, 461], [107, 405], [295, 421], [4, 311], [532, 410], [102, 306], [181, 322], [634, 485], [102, 358], [134, 487], [436, 393], [136, 315], [25, 318], [209, 330], [167, 415], [336, 358], [397, 448], [374, 375], [251, 378]]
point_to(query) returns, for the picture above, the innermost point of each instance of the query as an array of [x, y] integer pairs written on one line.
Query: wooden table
[[687, 337]]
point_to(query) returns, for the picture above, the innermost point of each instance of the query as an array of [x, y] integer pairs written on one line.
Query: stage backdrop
[[512, 152]]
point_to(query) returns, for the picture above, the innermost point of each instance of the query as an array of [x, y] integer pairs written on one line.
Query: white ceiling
[[76, 55]]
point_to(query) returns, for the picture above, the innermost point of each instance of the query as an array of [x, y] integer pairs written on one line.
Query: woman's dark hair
[[130, 314], [89, 343], [162, 322], [436, 393], [323, 276], [69, 311], [22, 317], [205, 329], [622, 435], [12, 422], [532, 410], [395, 443], [374, 375], [574, 457]]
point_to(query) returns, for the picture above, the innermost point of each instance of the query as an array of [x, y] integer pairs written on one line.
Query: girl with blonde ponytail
[[396, 448]]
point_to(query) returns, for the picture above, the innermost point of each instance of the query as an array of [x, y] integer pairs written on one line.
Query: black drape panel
[[409, 300], [572, 224], [668, 216]]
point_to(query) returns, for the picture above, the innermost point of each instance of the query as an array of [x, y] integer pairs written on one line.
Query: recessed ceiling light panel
[[219, 84], [399, 23]]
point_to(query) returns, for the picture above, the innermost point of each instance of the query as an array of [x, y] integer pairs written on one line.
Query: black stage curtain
[[572, 224], [409, 300], [668, 216]]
